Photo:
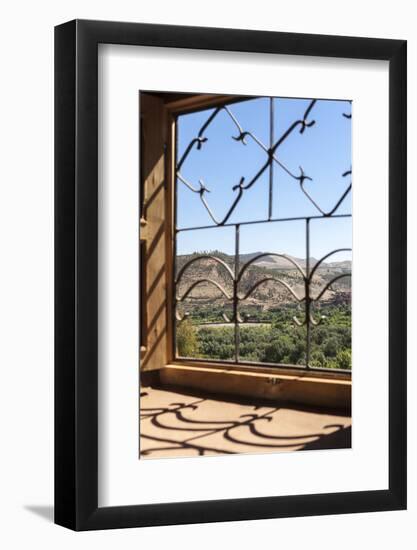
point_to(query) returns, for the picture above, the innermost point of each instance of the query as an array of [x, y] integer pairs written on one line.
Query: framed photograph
[[230, 244]]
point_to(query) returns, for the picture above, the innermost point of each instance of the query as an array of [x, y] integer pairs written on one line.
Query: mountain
[[267, 295], [275, 262], [270, 261], [346, 264]]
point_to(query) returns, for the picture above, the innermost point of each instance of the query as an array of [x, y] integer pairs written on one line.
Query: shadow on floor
[[341, 439], [182, 423]]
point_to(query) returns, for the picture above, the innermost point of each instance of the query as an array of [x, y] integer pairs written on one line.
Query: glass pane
[[263, 248]]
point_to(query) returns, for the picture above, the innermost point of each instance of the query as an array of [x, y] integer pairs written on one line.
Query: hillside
[[267, 296]]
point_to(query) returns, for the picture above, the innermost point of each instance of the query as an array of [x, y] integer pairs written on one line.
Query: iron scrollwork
[[235, 297]]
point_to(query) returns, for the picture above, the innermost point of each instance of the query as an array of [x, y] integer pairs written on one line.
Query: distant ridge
[[270, 261]]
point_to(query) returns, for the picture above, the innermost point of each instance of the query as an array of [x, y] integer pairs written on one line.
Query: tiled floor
[[174, 424]]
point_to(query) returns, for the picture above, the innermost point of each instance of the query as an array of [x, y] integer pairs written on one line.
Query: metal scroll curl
[[201, 189], [233, 274], [307, 278]]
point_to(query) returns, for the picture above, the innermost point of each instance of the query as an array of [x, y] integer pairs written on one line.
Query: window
[[246, 231]]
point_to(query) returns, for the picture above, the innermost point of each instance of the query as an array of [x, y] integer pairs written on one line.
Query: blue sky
[[323, 151]]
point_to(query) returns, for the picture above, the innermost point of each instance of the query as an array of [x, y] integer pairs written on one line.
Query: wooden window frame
[[168, 106], [157, 179]]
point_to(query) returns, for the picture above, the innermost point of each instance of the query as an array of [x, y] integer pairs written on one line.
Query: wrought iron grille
[[271, 161]]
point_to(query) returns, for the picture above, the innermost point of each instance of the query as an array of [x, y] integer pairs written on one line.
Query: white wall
[[26, 295]]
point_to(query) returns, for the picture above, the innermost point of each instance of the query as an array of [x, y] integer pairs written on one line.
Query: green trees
[[344, 359], [331, 346], [318, 359], [216, 343], [187, 344], [277, 340], [278, 351]]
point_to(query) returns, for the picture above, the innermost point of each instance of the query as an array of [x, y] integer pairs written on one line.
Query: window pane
[[263, 201]]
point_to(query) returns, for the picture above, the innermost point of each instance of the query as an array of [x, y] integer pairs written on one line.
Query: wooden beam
[[153, 229], [201, 101]]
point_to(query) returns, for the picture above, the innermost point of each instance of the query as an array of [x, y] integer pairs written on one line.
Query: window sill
[[298, 387]]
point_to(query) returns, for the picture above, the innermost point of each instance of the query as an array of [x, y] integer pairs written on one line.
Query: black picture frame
[[76, 271]]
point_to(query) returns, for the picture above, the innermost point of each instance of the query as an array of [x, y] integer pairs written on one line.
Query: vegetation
[[187, 343], [270, 337], [268, 334]]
